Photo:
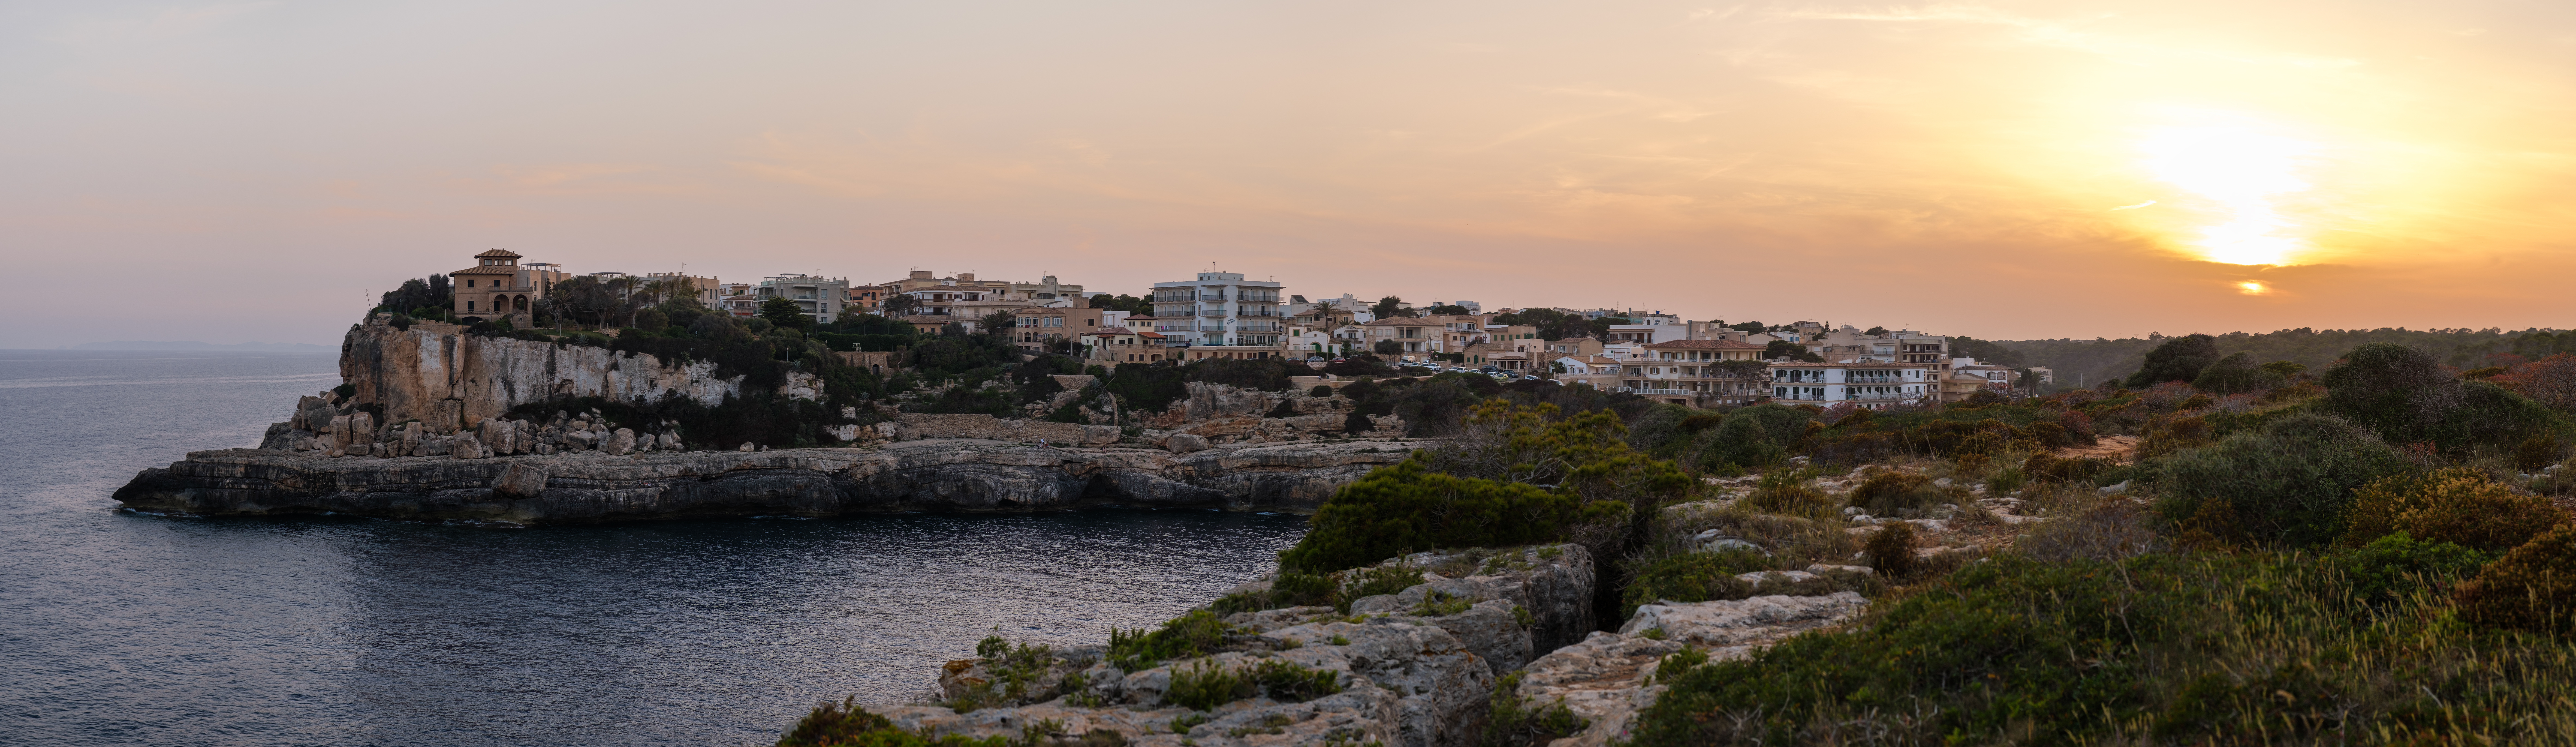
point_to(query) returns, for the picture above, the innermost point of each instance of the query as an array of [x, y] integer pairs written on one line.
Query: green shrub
[[2236, 374], [2049, 468], [2533, 587], [2253, 648], [2177, 359], [2287, 483], [1369, 582], [1320, 390], [2395, 564], [1406, 507], [1891, 552], [1205, 685], [1693, 577], [1516, 722], [1289, 588], [2006, 480], [1198, 633], [1896, 493], [2458, 505]]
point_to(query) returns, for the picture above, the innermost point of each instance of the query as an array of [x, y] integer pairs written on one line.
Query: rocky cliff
[[445, 379], [622, 483]]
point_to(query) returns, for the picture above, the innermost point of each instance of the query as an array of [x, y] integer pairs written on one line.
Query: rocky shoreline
[[960, 475]]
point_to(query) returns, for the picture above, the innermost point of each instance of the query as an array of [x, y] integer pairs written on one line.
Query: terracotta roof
[[1704, 345], [498, 254], [487, 270]]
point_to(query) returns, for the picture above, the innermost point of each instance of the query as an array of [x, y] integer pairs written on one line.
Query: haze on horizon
[[254, 170]]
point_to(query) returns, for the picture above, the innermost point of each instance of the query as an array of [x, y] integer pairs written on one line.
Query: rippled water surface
[[117, 628]]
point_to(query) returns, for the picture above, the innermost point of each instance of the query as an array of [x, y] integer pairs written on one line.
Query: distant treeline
[[2091, 362]]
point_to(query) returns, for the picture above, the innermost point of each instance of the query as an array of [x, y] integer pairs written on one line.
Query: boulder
[[1744, 622], [620, 443], [1183, 443], [521, 479]]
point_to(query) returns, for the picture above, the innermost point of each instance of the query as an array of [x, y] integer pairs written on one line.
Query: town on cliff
[[1539, 526]]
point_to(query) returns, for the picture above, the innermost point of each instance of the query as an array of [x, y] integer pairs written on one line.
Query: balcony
[[1645, 390], [1217, 312]]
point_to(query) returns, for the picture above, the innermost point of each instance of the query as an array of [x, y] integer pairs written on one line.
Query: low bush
[[1517, 722], [2046, 467], [1898, 494], [2457, 505], [2537, 452], [2393, 565], [1289, 588], [2252, 648], [2533, 587], [1205, 685], [1198, 633], [1890, 551], [2287, 483], [1693, 577], [1408, 507]]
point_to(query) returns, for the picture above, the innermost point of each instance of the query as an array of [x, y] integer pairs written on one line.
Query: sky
[[254, 171]]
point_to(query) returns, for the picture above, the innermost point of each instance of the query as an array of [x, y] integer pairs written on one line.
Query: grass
[[1205, 684]]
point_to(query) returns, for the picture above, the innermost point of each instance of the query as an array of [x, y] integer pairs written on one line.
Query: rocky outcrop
[[1605, 678], [1415, 668], [597, 485], [445, 379]]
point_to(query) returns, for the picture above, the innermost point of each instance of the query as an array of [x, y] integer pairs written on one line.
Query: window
[[469, 282]]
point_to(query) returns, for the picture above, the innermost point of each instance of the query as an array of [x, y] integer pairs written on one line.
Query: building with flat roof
[[1220, 309]]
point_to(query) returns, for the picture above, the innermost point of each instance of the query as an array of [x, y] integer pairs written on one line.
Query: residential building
[[737, 299], [1575, 346], [959, 295], [499, 285], [1602, 372], [1706, 373], [1046, 291], [1220, 308], [1039, 328], [1423, 337], [815, 296], [1870, 385], [1115, 345]]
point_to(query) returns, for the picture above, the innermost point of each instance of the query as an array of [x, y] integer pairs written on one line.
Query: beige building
[[499, 285], [1869, 385], [1037, 328], [1690, 372], [1118, 345]]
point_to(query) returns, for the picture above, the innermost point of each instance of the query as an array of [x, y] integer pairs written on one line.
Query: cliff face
[[447, 380], [596, 486]]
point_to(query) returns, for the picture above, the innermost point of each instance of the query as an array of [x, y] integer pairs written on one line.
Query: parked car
[[1314, 359]]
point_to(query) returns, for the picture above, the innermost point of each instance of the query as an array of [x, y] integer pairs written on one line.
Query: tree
[[2550, 381], [1390, 307], [1123, 302], [900, 304], [1449, 308], [2178, 359], [1387, 347], [999, 323], [2235, 374], [1750, 328], [1790, 350], [1601, 327], [431, 292], [1985, 352], [783, 313], [1552, 324], [1875, 331]]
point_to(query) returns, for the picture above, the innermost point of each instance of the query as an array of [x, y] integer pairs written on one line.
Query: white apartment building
[[1220, 308], [1870, 385], [821, 297]]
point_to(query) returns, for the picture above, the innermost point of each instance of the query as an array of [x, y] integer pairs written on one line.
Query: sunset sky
[[252, 170]]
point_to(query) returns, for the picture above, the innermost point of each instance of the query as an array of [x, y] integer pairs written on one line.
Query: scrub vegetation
[[2368, 549]]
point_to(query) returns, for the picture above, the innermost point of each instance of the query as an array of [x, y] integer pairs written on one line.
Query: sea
[[126, 628]]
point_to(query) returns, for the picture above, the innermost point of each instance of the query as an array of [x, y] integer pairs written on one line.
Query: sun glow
[[2242, 170]]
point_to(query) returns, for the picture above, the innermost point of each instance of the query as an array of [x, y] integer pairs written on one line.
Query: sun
[[2240, 169], [2252, 288]]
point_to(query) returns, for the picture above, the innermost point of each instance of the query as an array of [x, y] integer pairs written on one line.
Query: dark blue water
[[117, 628]]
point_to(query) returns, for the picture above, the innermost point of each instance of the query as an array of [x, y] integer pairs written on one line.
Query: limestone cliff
[[598, 485], [436, 374]]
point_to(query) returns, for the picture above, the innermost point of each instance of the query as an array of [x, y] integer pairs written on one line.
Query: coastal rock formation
[[1604, 678], [1419, 674], [439, 376], [462, 480]]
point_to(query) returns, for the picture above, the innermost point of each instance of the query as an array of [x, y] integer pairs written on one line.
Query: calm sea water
[[118, 628]]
